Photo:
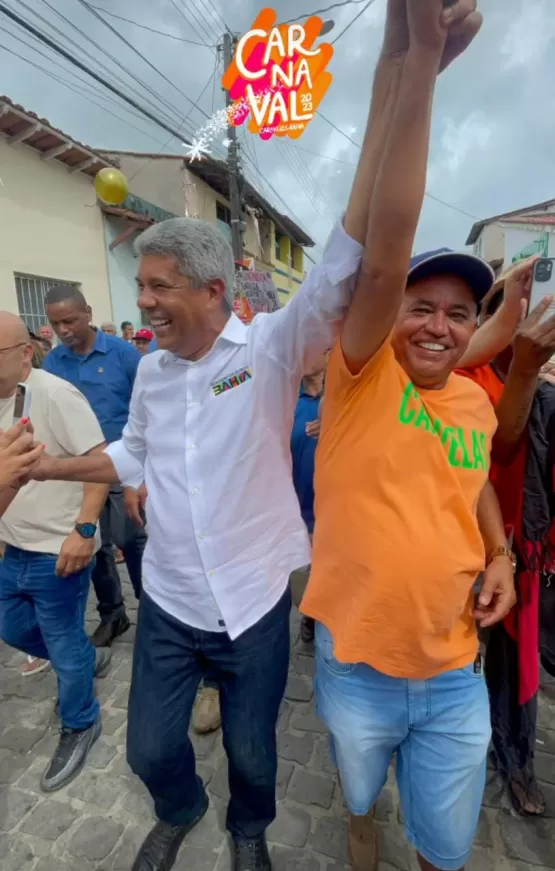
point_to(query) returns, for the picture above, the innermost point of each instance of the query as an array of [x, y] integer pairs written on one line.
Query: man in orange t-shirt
[[406, 522], [406, 517]]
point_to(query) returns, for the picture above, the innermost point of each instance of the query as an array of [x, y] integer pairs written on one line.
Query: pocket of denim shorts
[[470, 671], [324, 650]]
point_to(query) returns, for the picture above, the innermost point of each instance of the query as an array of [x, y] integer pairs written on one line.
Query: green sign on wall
[[149, 210]]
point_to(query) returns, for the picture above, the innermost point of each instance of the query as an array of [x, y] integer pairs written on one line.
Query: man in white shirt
[[49, 533], [209, 434]]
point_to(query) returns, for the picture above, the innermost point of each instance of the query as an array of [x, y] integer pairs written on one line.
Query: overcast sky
[[494, 123]]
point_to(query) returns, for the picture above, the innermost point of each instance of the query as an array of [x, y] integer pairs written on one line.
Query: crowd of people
[[382, 446]]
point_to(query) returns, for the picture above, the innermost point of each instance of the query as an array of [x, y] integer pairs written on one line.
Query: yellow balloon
[[111, 186]]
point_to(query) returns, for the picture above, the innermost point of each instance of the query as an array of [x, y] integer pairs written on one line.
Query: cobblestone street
[[98, 822]]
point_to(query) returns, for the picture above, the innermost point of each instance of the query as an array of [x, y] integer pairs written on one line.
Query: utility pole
[[237, 225]]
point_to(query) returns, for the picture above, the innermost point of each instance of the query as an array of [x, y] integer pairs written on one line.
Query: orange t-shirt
[[397, 548]]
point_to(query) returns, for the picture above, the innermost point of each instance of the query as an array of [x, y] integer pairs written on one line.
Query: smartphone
[[543, 284], [22, 402]]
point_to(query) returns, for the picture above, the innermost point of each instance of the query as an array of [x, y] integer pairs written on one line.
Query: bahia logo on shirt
[[231, 381]]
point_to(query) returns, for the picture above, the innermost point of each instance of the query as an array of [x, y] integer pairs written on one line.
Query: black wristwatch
[[86, 530]]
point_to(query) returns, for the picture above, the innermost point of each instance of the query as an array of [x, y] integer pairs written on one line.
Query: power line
[[184, 15], [165, 145], [158, 99], [323, 156], [80, 91], [302, 182], [451, 206], [352, 141], [306, 15], [140, 54], [150, 29], [85, 83], [345, 29], [198, 18], [67, 39], [75, 62], [216, 13]]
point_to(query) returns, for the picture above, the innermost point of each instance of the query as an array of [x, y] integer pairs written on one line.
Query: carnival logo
[[277, 78]]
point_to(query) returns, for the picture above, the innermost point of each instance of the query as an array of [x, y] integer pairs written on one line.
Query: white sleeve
[[309, 325], [129, 453]]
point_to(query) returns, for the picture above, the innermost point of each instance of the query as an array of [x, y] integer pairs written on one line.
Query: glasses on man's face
[[11, 347]]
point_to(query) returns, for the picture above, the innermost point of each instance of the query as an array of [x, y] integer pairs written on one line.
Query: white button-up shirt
[[211, 441]]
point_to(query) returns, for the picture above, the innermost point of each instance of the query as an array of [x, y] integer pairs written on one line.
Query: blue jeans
[[169, 662], [116, 528], [44, 615], [438, 729]]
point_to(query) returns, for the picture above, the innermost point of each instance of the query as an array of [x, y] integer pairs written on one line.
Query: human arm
[[399, 188], [310, 323], [534, 345], [385, 91], [498, 331], [76, 551], [122, 461], [497, 596]]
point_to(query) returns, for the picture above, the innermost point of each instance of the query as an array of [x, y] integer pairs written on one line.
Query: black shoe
[[104, 634], [161, 846], [250, 854], [307, 630], [69, 757]]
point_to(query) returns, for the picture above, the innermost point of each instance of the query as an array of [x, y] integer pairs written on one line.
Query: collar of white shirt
[[234, 332]]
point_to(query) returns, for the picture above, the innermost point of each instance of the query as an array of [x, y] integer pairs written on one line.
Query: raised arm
[[400, 184], [498, 331], [387, 80], [534, 345], [385, 91], [311, 322]]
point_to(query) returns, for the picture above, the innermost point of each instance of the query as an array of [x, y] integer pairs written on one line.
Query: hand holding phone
[[543, 285]]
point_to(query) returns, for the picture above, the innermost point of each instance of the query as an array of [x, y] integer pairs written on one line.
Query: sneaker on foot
[[34, 665], [70, 756], [206, 713], [250, 854], [161, 846], [103, 659], [363, 842], [105, 633]]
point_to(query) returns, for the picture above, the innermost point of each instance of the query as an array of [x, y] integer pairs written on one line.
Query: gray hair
[[202, 252]]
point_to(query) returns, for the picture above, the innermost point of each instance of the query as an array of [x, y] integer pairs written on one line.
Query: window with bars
[[31, 290]]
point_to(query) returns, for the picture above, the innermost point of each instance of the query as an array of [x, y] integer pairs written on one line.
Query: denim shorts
[[439, 731]]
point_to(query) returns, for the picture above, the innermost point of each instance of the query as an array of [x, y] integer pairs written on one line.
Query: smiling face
[[185, 320], [433, 329]]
